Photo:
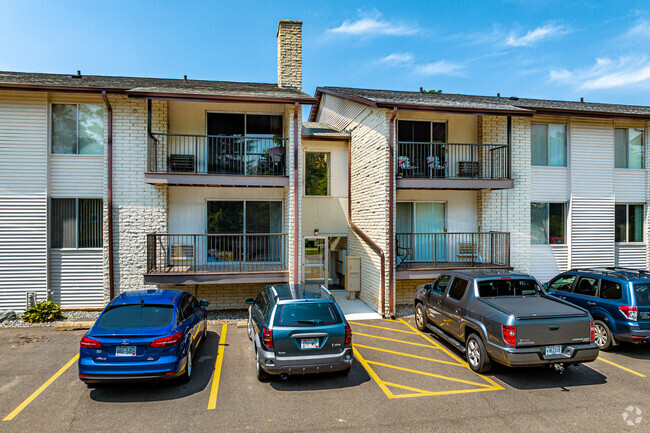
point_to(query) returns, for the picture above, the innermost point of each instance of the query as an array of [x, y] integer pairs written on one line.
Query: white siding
[[340, 113], [76, 176], [550, 184], [76, 277], [548, 261], [631, 255], [592, 232], [23, 197], [629, 185]]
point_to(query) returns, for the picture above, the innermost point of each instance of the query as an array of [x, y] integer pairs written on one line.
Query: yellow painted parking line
[[621, 367], [432, 393], [424, 373], [410, 355], [371, 372], [214, 390], [42, 388], [383, 327], [392, 339]]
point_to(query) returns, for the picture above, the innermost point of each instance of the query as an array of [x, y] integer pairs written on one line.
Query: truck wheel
[[421, 317], [477, 356], [602, 336]]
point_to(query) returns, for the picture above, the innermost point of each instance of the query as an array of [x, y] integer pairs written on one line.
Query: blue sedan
[[144, 334]]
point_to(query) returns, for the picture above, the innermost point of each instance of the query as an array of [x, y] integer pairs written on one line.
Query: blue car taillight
[[89, 343], [172, 340]]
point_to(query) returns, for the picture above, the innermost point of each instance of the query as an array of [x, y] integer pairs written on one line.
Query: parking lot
[[402, 380]]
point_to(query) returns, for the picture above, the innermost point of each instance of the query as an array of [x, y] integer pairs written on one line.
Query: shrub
[[42, 312]]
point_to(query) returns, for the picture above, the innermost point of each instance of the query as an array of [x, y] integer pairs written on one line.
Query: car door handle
[[591, 303], [458, 310], [563, 297]]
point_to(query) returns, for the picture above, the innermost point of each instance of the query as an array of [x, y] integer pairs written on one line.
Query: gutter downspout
[[365, 237], [109, 205], [391, 192], [296, 248]]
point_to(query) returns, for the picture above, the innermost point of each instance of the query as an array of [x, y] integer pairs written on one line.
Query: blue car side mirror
[[545, 285], [204, 303]]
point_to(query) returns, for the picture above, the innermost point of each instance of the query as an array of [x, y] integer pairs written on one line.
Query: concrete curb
[[72, 326]]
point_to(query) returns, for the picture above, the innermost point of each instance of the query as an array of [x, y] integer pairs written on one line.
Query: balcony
[[423, 254], [216, 160], [453, 166], [216, 258]]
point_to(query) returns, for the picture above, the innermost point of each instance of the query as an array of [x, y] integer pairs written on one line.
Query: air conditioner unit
[[467, 168], [180, 163]]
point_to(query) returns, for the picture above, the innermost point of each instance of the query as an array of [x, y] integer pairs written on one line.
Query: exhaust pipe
[[284, 376]]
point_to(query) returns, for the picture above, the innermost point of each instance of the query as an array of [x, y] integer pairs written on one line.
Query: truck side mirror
[[427, 287]]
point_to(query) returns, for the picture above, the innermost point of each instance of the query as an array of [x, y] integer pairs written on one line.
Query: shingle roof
[[154, 86], [318, 129], [468, 103]]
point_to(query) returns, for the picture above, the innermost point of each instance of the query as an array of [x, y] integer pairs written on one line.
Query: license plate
[[553, 350], [125, 351], [309, 343]]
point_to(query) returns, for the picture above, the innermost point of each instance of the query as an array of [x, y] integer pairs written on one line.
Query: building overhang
[[412, 183], [216, 180], [177, 278], [433, 273]]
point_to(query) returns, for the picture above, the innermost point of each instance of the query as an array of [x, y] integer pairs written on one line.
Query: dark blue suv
[[617, 298]]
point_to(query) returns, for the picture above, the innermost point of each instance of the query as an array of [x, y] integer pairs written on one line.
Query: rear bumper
[[633, 334], [535, 356], [166, 367], [307, 364]]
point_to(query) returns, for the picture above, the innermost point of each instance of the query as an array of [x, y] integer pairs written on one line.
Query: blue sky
[[535, 48]]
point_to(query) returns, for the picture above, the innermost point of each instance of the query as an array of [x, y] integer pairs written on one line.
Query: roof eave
[[465, 110], [599, 114], [59, 88], [217, 98]]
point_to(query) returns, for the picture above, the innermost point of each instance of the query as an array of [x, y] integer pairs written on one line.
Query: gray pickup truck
[[504, 317]]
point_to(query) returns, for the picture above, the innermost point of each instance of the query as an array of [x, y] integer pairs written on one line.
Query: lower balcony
[[216, 258], [420, 255]]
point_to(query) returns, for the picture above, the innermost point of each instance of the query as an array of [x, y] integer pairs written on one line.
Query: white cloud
[[641, 30], [607, 73], [371, 24], [533, 36], [440, 67], [397, 59]]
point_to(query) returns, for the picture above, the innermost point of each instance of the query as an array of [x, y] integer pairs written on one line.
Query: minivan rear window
[[507, 287], [307, 314], [136, 317], [642, 293]]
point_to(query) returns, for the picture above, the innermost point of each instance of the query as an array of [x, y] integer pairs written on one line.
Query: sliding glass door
[[417, 223]]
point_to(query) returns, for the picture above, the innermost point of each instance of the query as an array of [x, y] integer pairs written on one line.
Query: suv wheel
[[477, 356], [260, 373], [602, 336], [420, 317]]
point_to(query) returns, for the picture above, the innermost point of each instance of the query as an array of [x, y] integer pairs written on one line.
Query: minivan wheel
[[260, 373], [187, 375], [602, 336], [477, 356], [250, 330], [420, 317]]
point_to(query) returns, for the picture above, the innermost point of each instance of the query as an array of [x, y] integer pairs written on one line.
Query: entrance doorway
[[324, 261]]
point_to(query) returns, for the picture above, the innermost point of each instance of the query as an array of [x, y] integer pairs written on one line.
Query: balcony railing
[[453, 161], [201, 253], [216, 154], [453, 250]]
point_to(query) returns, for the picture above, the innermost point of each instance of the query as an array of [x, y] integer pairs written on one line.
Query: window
[[78, 129], [628, 223], [307, 314], [76, 223], [642, 293], [629, 148], [563, 283], [547, 222], [136, 317], [548, 145], [510, 287], [317, 173], [189, 305], [586, 286], [240, 124], [610, 290], [457, 289], [411, 131], [440, 285]]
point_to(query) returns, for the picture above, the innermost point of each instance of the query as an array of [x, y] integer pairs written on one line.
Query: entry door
[[429, 217], [315, 261]]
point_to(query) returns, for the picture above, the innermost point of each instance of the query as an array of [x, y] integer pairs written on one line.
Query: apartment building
[[442, 181]]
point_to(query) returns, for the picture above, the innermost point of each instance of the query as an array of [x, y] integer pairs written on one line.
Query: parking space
[[402, 380]]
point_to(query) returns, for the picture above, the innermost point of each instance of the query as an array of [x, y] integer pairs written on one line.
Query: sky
[[599, 50]]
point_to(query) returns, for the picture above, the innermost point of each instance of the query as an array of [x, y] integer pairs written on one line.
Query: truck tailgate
[[534, 307], [551, 331]]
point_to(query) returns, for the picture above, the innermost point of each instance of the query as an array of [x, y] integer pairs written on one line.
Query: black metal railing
[[169, 253], [440, 250], [216, 154], [453, 161]]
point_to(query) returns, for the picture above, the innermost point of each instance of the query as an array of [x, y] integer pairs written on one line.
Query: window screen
[[63, 227]]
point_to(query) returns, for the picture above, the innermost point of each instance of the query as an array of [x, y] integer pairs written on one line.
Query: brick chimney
[[290, 54]]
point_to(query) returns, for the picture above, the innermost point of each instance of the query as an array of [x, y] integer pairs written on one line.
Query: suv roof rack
[[617, 271]]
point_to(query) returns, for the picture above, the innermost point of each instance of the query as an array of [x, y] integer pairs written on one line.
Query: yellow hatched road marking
[[412, 356], [432, 393], [392, 339], [42, 388], [371, 372], [214, 390], [424, 373], [383, 327], [621, 367]]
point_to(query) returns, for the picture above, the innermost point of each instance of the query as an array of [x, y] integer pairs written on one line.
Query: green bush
[[43, 312]]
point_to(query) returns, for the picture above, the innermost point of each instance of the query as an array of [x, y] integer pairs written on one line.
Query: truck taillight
[[629, 312], [509, 334], [348, 334], [267, 337], [592, 331]]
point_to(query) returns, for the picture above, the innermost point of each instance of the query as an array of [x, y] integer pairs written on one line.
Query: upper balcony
[[216, 160], [437, 165]]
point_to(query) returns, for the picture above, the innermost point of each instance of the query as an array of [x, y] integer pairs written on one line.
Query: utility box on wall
[[352, 275]]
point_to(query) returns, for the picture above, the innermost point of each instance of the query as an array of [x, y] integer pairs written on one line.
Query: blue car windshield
[[136, 317], [507, 287], [307, 314], [642, 292]]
